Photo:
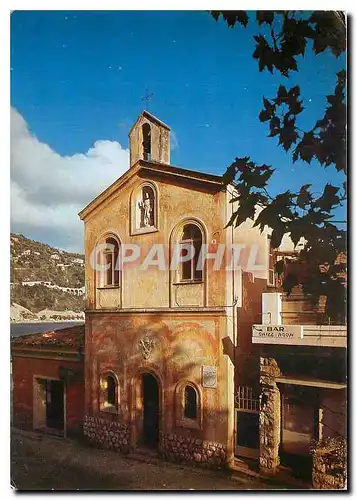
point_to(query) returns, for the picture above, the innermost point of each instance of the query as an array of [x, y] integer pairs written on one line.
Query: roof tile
[[65, 337]]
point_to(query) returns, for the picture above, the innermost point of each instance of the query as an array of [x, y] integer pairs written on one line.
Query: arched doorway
[[150, 395]]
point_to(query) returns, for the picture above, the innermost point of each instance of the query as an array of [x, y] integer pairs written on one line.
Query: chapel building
[[162, 340]]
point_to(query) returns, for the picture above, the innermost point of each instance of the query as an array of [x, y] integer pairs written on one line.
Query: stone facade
[[116, 436], [330, 465], [269, 417], [107, 434], [190, 449]]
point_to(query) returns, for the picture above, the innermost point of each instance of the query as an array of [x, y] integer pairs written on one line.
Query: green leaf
[[329, 198], [264, 115], [229, 175], [277, 236], [247, 208], [268, 106], [231, 17], [231, 220], [281, 95], [304, 198]]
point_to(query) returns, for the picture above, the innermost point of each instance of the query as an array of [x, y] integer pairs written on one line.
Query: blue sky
[[79, 77]]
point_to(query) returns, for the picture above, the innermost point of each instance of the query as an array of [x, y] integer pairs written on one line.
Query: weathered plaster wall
[[182, 344], [333, 404], [23, 371], [254, 253], [246, 353], [177, 201]]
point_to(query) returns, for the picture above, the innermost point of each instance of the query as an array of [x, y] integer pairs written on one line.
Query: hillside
[[46, 283]]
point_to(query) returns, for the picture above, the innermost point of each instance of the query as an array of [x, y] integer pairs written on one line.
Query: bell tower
[[149, 140]]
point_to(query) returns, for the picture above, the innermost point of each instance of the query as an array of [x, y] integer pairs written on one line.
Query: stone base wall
[[173, 447], [323, 481], [107, 434], [189, 449], [329, 470]]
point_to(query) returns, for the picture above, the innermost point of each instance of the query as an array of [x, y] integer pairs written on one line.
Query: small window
[[188, 405], [146, 141], [271, 264], [111, 256], [191, 237], [109, 393], [110, 388], [190, 410]]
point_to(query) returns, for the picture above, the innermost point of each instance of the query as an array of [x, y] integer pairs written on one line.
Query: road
[[40, 462]]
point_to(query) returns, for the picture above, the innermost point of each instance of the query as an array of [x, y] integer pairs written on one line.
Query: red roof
[[65, 337]]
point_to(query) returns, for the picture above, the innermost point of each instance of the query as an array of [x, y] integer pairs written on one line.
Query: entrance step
[[146, 455], [246, 465], [148, 452], [284, 475]]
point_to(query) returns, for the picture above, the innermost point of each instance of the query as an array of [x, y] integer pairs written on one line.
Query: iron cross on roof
[[146, 98]]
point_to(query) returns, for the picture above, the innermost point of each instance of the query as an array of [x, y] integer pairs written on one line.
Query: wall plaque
[[146, 346], [209, 376]]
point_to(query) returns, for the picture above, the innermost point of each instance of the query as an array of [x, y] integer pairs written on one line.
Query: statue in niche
[[146, 207]]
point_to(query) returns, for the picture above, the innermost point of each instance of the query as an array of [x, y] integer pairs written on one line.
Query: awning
[[310, 382]]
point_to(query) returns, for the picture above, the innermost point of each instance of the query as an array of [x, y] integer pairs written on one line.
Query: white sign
[[276, 334], [209, 376]]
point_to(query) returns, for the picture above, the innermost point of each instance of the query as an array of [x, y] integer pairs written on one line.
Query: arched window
[[191, 243], [110, 390], [190, 407], [111, 260], [109, 393], [146, 129]]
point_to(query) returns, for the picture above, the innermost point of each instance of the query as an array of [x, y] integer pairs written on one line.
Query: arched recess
[[146, 144], [107, 271], [188, 280], [188, 405], [138, 405], [144, 208], [109, 392]]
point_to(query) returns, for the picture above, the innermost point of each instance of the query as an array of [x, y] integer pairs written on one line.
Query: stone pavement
[[41, 462]]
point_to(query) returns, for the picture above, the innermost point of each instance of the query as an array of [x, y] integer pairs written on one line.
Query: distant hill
[[45, 279]]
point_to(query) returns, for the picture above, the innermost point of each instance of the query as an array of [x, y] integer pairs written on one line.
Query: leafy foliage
[[283, 37]]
